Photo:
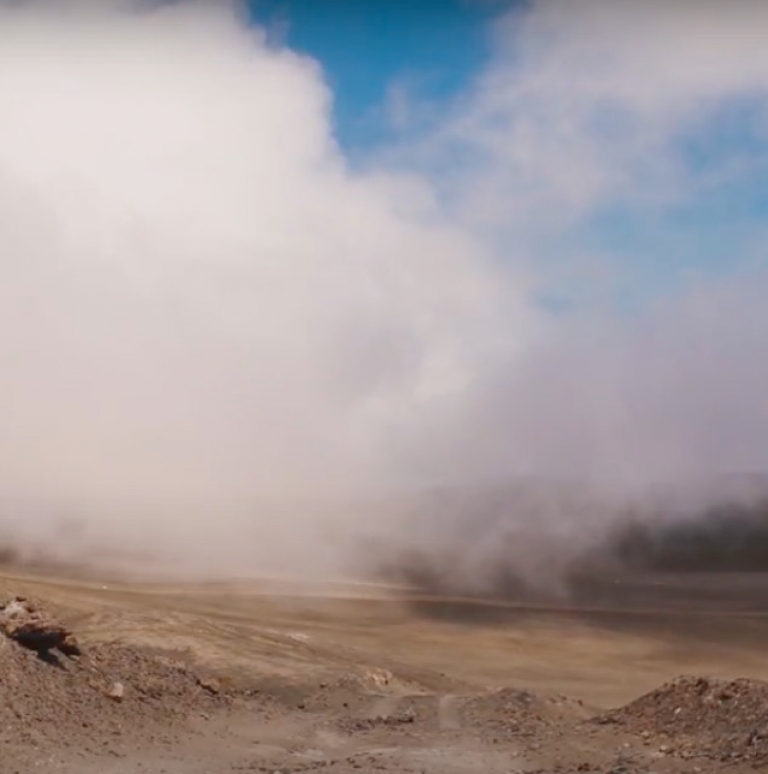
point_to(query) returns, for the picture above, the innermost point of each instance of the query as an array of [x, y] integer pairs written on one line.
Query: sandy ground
[[346, 677]]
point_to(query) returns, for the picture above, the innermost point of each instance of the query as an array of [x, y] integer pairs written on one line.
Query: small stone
[[116, 692], [210, 684], [71, 647]]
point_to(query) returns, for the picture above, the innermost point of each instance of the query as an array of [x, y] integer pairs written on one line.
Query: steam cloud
[[220, 339]]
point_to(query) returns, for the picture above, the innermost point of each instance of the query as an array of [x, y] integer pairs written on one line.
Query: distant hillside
[[534, 539], [726, 537]]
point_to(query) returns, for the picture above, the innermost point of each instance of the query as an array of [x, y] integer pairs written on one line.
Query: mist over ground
[[227, 349]]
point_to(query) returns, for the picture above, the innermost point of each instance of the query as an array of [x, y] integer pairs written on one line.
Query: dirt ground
[[278, 677]]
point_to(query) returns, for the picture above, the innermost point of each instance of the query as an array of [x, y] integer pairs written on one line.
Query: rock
[[210, 684], [378, 678], [33, 628], [116, 692], [70, 646]]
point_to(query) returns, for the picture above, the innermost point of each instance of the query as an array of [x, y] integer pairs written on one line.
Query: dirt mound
[[375, 700], [516, 713], [702, 717], [354, 691], [101, 697]]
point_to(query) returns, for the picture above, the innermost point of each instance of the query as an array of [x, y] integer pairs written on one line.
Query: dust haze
[[228, 350]]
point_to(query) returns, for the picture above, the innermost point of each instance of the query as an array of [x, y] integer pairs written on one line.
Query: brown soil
[[253, 678], [106, 700]]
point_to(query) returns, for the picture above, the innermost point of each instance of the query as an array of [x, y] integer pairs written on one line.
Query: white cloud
[[583, 102]]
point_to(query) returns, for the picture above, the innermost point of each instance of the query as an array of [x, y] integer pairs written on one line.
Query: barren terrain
[[279, 677]]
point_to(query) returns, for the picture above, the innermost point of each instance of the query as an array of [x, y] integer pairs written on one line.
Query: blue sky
[[435, 47]]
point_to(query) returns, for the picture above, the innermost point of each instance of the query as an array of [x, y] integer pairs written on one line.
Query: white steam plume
[[214, 331], [201, 307]]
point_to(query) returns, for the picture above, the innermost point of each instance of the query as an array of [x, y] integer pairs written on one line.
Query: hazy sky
[[536, 245]]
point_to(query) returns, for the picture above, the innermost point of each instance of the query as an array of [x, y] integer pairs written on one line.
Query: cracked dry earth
[[348, 678]]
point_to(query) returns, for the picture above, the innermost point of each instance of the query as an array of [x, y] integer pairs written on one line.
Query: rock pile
[[701, 717]]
